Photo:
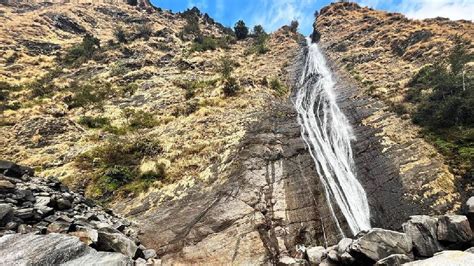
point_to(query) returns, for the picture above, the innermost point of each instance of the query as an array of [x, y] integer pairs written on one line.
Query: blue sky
[[273, 14]]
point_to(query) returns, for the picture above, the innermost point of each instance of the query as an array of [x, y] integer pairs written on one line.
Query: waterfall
[[328, 135]]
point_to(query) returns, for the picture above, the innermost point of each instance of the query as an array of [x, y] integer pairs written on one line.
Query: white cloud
[[274, 14], [453, 9], [420, 9]]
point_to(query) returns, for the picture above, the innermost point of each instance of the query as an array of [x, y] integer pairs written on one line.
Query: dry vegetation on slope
[[383, 52], [115, 99]]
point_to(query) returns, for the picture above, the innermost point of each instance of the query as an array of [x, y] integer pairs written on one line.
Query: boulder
[[316, 255], [14, 170], [59, 227], [87, 235], [454, 229], [285, 260], [344, 245], [422, 230], [5, 185], [63, 204], [394, 260], [6, 213], [149, 254], [112, 240], [378, 244], [470, 250], [470, 211], [451, 257], [53, 249]]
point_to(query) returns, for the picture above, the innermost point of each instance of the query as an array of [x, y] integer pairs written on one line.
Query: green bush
[[241, 31], [94, 122], [87, 94], [202, 44], [278, 87], [231, 87], [84, 51], [144, 31], [120, 35], [138, 119], [44, 86], [226, 67]]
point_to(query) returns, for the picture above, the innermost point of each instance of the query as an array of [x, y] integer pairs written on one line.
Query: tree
[[294, 26], [241, 31], [258, 31]]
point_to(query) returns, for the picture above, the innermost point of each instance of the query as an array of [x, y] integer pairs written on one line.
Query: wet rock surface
[[39, 215]]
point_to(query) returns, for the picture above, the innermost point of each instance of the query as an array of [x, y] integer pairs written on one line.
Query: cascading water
[[328, 134]]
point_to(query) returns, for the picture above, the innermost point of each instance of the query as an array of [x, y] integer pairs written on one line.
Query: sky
[[272, 14]]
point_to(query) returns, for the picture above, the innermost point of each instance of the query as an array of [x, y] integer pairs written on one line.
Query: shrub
[[94, 122], [83, 51], [88, 94], [226, 67], [231, 87], [294, 26], [120, 35], [192, 23], [144, 31], [138, 119], [241, 31], [258, 31], [44, 86], [276, 85], [202, 44]]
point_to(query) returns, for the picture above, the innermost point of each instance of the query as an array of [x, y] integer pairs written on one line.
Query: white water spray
[[328, 134]]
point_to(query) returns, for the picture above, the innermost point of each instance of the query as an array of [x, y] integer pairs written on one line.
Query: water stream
[[328, 135]]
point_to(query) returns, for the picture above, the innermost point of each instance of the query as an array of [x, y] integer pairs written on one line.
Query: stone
[[394, 260], [286, 260], [344, 245], [448, 257], [316, 255], [11, 169], [6, 213], [11, 226], [332, 255], [346, 258], [422, 230], [5, 184], [149, 254], [111, 239], [470, 250], [53, 249], [470, 205], [87, 235], [24, 229], [63, 204], [41, 205], [59, 227], [24, 214], [378, 244], [454, 229], [140, 261]]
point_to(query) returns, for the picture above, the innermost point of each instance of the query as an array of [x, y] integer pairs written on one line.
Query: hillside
[[149, 89]]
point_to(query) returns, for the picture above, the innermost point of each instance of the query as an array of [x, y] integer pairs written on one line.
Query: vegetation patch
[[116, 166], [443, 96], [82, 52]]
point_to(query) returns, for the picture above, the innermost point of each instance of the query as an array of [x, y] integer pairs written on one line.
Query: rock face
[[54, 249], [378, 244], [394, 260], [454, 229]]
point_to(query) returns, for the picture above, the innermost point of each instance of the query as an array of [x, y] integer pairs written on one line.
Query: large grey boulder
[[394, 260], [53, 249], [113, 240], [422, 230], [451, 258], [316, 255], [454, 229], [380, 243], [14, 170], [470, 210]]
